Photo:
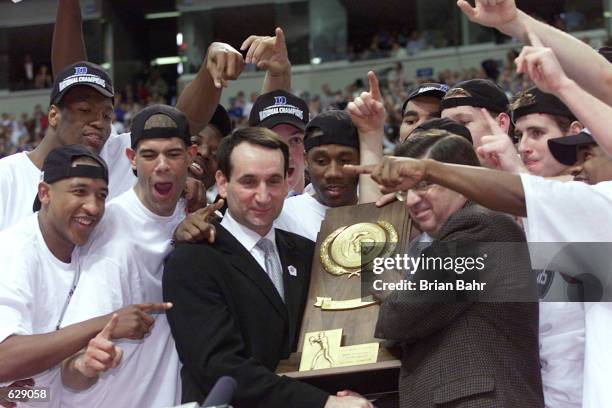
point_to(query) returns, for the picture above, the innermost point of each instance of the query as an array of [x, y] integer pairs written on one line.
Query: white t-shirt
[[122, 265], [34, 288], [302, 214], [19, 179], [577, 212]]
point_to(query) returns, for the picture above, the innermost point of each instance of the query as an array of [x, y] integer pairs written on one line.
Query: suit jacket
[[467, 353], [228, 319]]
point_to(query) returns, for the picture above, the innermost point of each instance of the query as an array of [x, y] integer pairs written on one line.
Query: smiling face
[[533, 132], [70, 210], [593, 165], [84, 118], [294, 138], [161, 166], [257, 186], [431, 205], [207, 142], [333, 187]]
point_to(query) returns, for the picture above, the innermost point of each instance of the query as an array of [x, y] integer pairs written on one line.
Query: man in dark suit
[[238, 302], [462, 348]]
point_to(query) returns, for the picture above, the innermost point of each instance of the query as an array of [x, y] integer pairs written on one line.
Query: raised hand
[[541, 64], [490, 13], [134, 321], [223, 63], [367, 110], [101, 353], [497, 150], [269, 53], [197, 227]]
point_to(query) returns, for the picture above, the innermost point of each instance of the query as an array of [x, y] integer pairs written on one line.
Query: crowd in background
[[24, 132]]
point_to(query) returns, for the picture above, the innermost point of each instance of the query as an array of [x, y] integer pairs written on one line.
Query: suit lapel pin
[[292, 270]]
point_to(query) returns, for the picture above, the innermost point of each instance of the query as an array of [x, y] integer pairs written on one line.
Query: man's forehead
[[333, 148], [535, 120], [161, 144], [286, 129], [460, 111], [82, 181]]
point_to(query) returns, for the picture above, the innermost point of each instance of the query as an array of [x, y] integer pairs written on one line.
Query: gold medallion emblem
[[341, 251]]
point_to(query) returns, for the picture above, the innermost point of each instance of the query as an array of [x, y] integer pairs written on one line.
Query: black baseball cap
[[140, 130], [565, 149], [533, 100], [81, 73], [58, 165], [221, 121], [447, 124], [426, 89], [279, 107], [336, 127], [479, 93]]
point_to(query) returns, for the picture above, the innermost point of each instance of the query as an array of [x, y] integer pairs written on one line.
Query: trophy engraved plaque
[[337, 333]]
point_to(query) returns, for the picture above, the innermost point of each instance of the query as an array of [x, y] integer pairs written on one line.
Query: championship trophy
[[337, 348]]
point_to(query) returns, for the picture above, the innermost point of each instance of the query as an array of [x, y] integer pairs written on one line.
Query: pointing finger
[[353, 169], [107, 331], [374, 88]]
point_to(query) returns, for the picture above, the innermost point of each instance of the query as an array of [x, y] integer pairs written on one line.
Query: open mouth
[[196, 169], [163, 189], [290, 172]]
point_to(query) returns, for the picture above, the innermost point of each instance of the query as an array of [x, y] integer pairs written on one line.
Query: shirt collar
[[247, 237]]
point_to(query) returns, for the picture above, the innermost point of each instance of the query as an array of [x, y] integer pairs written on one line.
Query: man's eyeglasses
[[420, 187]]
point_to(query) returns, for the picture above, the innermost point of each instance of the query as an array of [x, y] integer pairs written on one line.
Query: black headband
[[324, 139], [87, 170]]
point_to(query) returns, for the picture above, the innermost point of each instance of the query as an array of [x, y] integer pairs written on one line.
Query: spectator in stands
[[43, 78]]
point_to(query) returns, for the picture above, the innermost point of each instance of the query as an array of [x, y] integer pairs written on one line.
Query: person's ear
[[54, 116], [503, 120], [221, 181], [44, 194], [575, 128], [131, 155]]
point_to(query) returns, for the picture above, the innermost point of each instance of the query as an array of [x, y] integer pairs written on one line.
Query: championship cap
[[81, 73], [279, 107]]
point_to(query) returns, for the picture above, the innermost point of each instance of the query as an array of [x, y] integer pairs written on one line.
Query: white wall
[[24, 101]]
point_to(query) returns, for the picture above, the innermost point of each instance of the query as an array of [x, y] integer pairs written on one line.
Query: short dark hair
[[258, 136], [439, 145]]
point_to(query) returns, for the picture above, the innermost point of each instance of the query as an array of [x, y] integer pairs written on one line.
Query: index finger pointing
[[107, 331], [155, 307], [280, 38], [353, 169], [374, 88], [493, 126]]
